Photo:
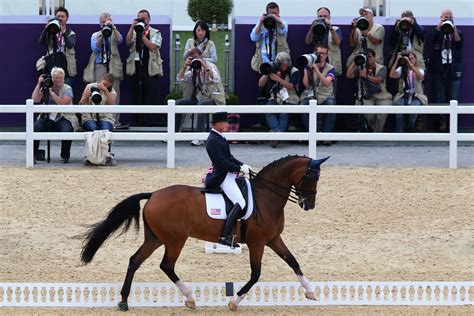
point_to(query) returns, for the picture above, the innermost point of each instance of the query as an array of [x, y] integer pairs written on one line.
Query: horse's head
[[306, 188]]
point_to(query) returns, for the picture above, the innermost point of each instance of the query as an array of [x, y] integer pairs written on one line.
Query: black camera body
[[196, 64], [96, 97], [447, 27], [307, 60], [403, 62], [140, 26], [269, 68], [404, 25], [106, 30], [54, 26], [319, 27], [269, 22], [47, 82], [362, 23]]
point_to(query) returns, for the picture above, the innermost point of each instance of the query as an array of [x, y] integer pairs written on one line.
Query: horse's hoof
[[310, 296], [190, 304], [232, 306], [123, 306]]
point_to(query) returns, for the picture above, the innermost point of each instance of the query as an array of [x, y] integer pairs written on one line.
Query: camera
[[269, 22], [140, 26], [54, 26], [404, 25], [319, 27], [107, 30], [360, 59], [196, 64], [47, 82], [269, 68], [447, 27], [96, 97], [403, 62], [362, 23], [307, 60]]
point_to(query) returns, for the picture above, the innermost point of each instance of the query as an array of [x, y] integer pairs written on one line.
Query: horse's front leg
[[280, 249], [256, 253]]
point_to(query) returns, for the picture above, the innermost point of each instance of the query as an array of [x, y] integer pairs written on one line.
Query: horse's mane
[[277, 163]]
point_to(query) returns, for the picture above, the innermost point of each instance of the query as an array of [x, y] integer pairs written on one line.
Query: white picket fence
[[453, 137], [403, 293]]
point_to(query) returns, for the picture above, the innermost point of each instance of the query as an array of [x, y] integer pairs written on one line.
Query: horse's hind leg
[[280, 249], [147, 248]]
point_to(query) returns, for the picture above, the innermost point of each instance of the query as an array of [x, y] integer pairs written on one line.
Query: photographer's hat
[[219, 117], [407, 14], [366, 9]]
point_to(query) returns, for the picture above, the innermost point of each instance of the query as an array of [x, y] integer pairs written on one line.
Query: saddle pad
[[215, 204]]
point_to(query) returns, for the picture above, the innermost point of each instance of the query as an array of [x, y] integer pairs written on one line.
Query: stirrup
[[224, 240]]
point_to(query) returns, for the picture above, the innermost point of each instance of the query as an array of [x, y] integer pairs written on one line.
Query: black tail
[[122, 213]]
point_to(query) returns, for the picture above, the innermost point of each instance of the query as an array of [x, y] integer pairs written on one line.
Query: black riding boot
[[226, 238]]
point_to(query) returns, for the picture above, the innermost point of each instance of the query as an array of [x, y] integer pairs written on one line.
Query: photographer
[[408, 35], [371, 88], [201, 40], [282, 81], [99, 93], [410, 88], [322, 31], [60, 39], [447, 67], [144, 63], [207, 87], [365, 32], [105, 57], [318, 80], [270, 36], [53, 90]]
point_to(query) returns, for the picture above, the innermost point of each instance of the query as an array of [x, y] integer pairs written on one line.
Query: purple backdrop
[[21, 50], [246, 80]]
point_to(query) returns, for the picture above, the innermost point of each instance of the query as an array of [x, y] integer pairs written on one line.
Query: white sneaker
[[197, 142]]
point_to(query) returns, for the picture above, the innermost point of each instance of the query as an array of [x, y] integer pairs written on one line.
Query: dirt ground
[[370, 224]]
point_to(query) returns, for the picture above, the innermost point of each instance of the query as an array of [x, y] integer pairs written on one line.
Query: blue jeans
[[278, 122], [326, 120], [92, 125], [411, 117], [440, 88], [43, 124]]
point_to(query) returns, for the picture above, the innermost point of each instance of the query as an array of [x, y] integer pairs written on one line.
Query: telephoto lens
[[54, 26], [196, 64], [269, 68], [269, 22], [360, 59], [319, 27], [96, 97], [447, 27], [307, 60], [362, 23], [106, 30], [140, 26]]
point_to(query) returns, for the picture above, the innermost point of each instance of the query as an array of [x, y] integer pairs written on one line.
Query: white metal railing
[[311, 136], [406, 293]]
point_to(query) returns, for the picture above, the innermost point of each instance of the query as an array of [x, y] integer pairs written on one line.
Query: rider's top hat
[[219, 117]]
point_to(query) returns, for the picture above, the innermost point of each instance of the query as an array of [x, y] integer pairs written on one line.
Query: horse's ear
[[317, 162]]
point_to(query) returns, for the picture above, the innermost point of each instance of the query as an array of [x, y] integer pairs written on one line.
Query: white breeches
[[231, 189]]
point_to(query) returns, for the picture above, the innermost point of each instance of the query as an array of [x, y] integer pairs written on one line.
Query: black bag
[[371, 89], [56, 59]]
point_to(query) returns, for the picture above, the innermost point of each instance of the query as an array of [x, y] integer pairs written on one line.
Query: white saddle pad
[[215, 204]]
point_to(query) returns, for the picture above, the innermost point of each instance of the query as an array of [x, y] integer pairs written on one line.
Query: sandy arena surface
[[370, 224]]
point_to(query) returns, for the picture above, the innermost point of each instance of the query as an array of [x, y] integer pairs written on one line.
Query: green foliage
[[208, 10], [232, 99]]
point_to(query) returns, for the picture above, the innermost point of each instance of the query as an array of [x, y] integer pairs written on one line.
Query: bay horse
[[174, 213]]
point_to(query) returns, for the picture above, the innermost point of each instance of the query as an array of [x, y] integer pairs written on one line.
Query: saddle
[[242, 184]]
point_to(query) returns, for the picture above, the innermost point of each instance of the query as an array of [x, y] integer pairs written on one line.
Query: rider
[[225, 172]]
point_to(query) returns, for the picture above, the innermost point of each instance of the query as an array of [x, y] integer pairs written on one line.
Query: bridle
[[300, 193]]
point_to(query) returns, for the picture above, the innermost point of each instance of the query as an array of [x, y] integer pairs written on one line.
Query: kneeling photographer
[[283, 80], [99, 93], [53, 90], [410, 88], [371, 88], [207, 87], [318, 80]]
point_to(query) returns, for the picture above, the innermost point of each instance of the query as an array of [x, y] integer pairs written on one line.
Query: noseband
[[300, 191]]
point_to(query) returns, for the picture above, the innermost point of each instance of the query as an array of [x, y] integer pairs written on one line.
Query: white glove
[[245, 169]]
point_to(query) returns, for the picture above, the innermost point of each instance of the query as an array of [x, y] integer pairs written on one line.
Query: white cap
[[366, 9]]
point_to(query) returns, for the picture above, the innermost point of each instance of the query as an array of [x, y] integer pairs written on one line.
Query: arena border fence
[[312, 136], [370, 293]]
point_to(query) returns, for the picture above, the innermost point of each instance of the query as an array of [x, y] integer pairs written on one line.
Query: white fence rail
[[453, 137], [216, 294]]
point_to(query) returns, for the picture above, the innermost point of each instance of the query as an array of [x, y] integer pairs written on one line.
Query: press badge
[[284, 94], [446, 56]]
